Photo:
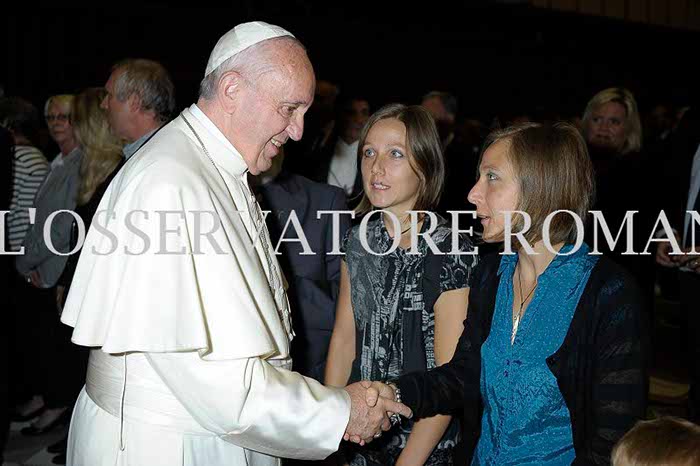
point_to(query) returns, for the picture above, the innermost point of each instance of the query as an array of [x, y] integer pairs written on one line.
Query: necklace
[[401, 234], [518, 316], [404, 231]]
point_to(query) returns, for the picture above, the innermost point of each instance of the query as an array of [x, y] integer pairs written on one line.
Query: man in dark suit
[[332, 156], [461, 157], [314, 280]]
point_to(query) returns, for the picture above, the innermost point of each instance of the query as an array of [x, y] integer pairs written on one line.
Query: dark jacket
[[319, 165], [314, 280], [600, 368]]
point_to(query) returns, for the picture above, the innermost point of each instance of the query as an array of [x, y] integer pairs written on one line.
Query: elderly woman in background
[[100, 162], [41, 266], [58, 192], [550, 368], [57, 113]]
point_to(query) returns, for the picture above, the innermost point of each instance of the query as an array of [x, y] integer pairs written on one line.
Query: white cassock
[[191, 332]]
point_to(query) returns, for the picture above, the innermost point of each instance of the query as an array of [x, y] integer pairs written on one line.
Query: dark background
[[494, 57]]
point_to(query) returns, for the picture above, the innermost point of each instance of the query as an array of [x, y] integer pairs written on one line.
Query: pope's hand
[[367, 422]]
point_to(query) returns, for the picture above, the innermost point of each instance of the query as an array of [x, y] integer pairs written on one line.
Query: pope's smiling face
[[273, 107]]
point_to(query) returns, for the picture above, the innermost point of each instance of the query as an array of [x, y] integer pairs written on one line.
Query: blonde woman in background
[[102, 156], [611, 122], [625, 179]]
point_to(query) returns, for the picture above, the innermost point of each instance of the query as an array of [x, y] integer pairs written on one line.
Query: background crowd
[[63, 141]]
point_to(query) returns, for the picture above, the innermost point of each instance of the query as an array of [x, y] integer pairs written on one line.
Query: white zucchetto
[[240, 38]]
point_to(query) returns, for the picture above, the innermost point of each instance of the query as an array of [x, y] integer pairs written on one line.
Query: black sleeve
[[440, 390], [619, 386], [457, 384], [453, 385]]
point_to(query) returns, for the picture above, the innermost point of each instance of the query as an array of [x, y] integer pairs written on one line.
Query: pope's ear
[[229, 87]]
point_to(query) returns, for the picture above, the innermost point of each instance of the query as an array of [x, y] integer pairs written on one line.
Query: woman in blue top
[[550, 368]]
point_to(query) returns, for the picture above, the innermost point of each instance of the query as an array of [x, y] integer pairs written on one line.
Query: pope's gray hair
[[251, 63]]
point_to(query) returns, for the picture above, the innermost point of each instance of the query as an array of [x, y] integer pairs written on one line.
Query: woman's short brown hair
[[664, 441], [552, 166], [425, 153]]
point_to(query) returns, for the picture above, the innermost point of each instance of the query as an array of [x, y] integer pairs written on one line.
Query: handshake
[[372, 406]]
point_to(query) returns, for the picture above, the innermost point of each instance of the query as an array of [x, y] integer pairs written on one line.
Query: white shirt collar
[[343, 149], [343, 167], [233, 163]]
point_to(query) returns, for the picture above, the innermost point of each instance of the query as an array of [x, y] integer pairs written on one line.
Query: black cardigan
[[601, 367]]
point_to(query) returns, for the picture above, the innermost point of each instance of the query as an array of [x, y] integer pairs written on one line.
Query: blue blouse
[[525, 418]]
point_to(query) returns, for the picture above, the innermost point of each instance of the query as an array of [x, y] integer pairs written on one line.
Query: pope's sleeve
[[158, 290], [257, 406]]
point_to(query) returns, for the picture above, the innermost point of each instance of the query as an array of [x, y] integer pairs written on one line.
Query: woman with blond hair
[[611, 122], [102, 156], [624, 179], [101, 161]]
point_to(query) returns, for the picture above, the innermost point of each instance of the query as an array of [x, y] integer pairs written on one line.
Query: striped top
[[30, 168]]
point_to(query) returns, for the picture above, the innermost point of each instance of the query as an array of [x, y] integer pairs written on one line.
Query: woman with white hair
[[42, 267], [57, 113]]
